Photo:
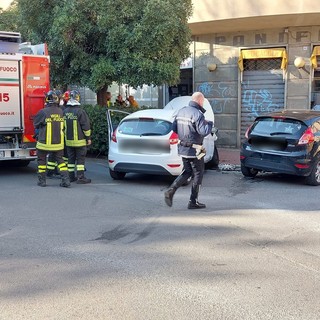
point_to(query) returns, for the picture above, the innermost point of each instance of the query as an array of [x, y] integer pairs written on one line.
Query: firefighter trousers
[[76, 159], [57, 156]]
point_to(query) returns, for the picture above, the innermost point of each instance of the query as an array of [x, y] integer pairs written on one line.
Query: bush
[[99, 129], [99, 126]]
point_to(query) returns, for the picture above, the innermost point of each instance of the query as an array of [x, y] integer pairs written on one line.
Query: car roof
[[183, 101], [162, 114], [298, 114]]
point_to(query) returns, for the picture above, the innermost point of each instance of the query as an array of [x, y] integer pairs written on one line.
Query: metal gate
[[262, 89]]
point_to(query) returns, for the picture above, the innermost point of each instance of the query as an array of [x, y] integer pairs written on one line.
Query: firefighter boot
[[65, 181], [72, 177], [194, 203], [81, 179], [42, 179], [168, 195]]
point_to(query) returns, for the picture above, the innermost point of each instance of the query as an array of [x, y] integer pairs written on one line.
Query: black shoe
[[41, 180], [41, 184], [83, 180], [168, 196], [196, 205], [65, 184]]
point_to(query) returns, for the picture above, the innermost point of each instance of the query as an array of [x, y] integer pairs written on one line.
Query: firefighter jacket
[[191, 127], [49, 125], [77, 126]]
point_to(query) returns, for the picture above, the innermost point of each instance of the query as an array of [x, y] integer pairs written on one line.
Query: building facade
[[253, 57]]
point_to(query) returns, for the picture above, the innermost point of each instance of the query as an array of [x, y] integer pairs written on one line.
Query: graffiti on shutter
[[262, 90]]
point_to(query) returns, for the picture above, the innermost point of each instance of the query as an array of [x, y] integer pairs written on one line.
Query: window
[[278, 126], [262, 64], [145, 126]]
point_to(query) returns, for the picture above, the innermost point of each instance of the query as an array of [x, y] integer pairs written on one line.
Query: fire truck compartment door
[[10, 96]]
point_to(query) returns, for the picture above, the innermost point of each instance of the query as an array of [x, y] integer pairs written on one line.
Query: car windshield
[[278, 126], [145, 127]]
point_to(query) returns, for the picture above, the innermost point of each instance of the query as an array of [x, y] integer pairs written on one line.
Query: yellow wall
[[239, 15]]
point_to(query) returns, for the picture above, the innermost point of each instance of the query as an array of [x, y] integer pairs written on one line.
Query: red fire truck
[[24, 80]]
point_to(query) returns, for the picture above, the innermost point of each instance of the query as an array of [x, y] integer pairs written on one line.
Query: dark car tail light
[[247, 132], [307, 137], [174, 139], [114, 136]]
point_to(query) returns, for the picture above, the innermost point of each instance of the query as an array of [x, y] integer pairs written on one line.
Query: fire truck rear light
[[33, 153]]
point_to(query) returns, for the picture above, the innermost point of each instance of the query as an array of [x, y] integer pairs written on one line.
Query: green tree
[[93, 43], [9, 18]]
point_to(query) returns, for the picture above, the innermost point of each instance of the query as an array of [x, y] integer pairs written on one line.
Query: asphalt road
[[114, 250]]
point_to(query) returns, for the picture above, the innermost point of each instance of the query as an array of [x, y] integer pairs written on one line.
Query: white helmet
[[73, 102]]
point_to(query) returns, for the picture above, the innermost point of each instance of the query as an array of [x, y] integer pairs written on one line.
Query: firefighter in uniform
[[52, 166], [49, 123], [78, 137]]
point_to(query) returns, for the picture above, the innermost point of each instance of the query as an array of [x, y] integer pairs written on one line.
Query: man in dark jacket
[[49, 124], [191, 127], [78, 137]]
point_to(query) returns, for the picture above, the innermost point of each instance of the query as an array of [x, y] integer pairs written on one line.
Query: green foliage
[[99, 129], [9, 18], [93, 43]]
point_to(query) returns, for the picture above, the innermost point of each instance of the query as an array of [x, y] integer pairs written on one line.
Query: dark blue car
[[283, 142]]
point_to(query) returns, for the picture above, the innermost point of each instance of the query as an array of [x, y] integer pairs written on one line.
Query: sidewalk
[[229, 156]]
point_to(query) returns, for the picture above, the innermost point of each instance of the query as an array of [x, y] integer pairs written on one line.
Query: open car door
[[114, 117]]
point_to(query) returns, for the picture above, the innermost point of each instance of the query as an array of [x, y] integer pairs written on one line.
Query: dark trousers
[[76, 159], [192, 167], [56, 156]]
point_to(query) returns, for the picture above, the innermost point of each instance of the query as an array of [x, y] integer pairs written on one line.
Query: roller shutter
[[262, 89]]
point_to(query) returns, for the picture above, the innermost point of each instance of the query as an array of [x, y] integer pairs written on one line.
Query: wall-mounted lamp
[[211, 67], [299, 62]]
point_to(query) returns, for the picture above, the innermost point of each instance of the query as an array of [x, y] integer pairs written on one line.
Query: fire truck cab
[[24, 81]]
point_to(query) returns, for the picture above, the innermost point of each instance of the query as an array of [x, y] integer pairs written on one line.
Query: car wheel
[[248, 172], [116, 175], [214, 162], [314, 178]]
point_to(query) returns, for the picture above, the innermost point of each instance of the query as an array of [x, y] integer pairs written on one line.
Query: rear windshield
[[145, 126], [278, 126]]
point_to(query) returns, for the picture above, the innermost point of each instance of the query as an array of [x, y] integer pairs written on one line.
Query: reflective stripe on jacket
[[191, 127], [50, 124], [77, 125]]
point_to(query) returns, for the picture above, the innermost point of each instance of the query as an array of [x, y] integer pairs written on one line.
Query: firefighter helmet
[[73, 102], [75, 95], [52, 97]]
